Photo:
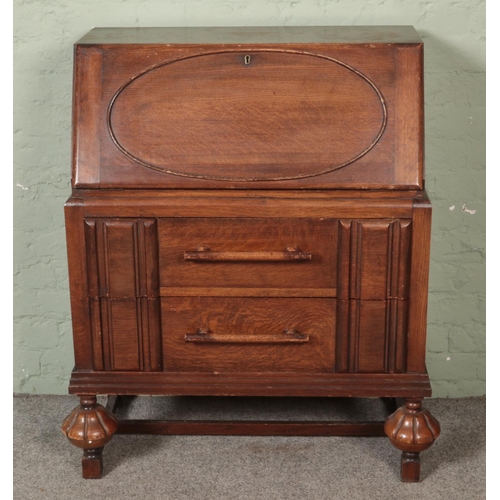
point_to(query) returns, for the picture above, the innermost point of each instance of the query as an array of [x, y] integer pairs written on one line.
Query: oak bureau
[[248, 218]]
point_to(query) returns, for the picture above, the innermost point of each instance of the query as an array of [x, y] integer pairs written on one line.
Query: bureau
[[248, 218]]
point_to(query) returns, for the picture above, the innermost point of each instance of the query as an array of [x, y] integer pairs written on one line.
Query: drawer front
[[217, 334], [277, 255]]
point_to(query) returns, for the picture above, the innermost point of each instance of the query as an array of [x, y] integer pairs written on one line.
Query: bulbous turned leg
[[411, 429], [90, 426]]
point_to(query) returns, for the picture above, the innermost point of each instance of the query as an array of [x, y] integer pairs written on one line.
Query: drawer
[[248, 256], [217, 334]]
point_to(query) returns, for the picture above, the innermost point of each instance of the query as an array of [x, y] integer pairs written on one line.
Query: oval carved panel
[[258, 115]]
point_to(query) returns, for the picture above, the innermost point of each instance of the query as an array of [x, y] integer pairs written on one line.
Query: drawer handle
[[289, 254], [205, 335]]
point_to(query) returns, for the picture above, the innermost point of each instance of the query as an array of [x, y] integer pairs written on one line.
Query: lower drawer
[[217, 334]]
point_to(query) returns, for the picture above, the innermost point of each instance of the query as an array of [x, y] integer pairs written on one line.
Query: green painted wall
[[454, 36]]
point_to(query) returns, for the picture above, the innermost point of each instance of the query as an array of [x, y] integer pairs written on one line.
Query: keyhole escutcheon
[[247, 59]]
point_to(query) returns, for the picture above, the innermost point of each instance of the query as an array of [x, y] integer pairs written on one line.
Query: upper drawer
[[254, 115], [282, 257]]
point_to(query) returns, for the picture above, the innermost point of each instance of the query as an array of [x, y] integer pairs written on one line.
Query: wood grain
[[239, 239], [145, 117], [246, 292], [374, 259], [78, 284], [251, 384], [409, 151], [132, 195], [200, 206], [122, 257], [373, 335], [253, 34], [87, 90], [246, 318], [275, 107], [420, 260]]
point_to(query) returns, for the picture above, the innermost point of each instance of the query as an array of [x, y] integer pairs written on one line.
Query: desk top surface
[[250, 35]]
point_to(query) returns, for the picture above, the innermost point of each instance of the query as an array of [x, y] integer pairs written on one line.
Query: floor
[[47, 466]]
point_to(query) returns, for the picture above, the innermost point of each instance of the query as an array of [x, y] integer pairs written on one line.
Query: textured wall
[[454, 36]]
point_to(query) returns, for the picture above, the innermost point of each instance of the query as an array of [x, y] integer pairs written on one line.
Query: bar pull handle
[[205, 336], [204, 254]]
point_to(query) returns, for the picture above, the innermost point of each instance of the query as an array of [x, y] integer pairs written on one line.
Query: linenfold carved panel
[[123, 293], [374, 259], [373, 291]]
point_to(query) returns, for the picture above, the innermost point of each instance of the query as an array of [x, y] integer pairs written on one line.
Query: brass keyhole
[[247, 59]]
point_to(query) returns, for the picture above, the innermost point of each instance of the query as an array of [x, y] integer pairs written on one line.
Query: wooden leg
[[92, 463], [411, 429], [410, 467], [90, 426]]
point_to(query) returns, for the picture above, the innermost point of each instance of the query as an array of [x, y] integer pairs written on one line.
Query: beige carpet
[[47, 466]]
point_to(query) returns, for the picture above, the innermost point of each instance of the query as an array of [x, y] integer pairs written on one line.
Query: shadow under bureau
[[248, 218]]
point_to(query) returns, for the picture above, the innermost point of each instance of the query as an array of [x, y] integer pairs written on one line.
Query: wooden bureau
[[248, 218]]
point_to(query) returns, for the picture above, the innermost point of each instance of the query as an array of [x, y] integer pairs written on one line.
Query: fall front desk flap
[[216, 108]]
